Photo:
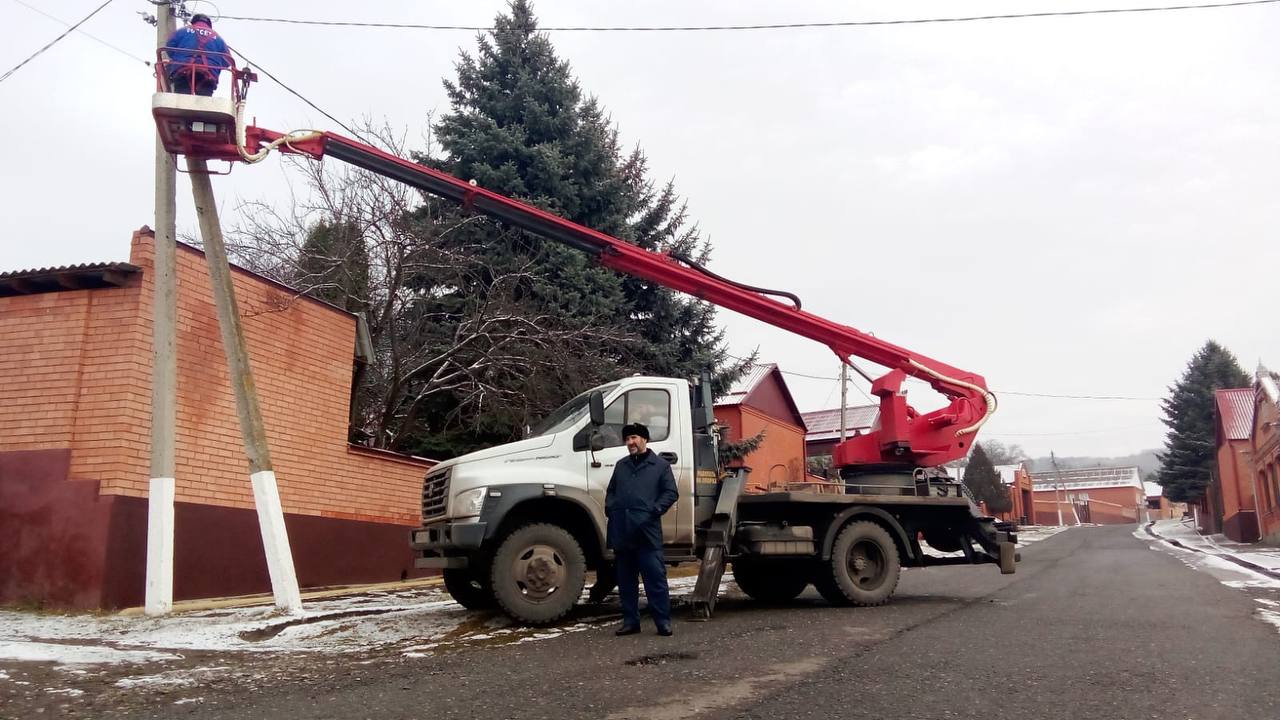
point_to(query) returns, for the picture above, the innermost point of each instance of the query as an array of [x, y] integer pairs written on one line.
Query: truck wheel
[[864, 567], [538, 573], [469, 588], [769, 582]]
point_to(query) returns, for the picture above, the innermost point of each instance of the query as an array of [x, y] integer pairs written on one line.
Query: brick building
[[1231, 493], [760, 402], [75, 396], [1264, 446], [1017, 483], [1106, 496]]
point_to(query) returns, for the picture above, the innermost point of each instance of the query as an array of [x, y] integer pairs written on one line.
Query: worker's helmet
[[201, 17]]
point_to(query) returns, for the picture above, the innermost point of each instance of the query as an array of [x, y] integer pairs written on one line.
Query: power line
[[54, 41], [297, 94], [95, 38], [769, 26]]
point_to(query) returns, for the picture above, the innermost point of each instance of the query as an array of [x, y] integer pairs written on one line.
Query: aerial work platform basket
[[198, 126]]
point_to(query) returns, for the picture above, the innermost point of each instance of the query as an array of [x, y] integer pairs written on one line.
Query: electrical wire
[[769, 26], [94, 38], [54, 41], [299, 95]]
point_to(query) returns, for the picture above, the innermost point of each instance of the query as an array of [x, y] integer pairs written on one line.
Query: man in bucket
[[195, 72], [640, 492]]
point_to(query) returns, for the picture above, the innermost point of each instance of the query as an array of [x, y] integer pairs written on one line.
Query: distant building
[[761, 402], [823, 427], [1105, 496], [1264, 445]]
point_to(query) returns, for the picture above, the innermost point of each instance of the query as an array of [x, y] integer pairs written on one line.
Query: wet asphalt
[[1095, 624]]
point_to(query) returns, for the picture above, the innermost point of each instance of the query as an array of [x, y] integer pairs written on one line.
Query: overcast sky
[[1065, 205]]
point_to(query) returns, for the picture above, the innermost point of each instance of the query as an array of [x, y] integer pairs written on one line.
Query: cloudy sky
[[1066, 205]]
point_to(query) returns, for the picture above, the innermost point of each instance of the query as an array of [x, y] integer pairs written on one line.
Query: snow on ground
[[414, 621], [1214, 556]]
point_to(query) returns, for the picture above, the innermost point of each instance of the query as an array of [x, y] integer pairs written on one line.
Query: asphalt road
[[1093, 625]]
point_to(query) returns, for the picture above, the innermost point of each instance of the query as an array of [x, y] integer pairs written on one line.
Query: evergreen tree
[[984, 482], [1188, 459], [333, 265], [521, 125]]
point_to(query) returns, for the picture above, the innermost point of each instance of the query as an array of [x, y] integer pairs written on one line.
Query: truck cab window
[[649, 407]]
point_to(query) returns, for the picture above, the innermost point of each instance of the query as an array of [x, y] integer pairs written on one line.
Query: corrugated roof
[[825, 424], [1235, 409], [1085, 478], [66, 277], [745, 384]]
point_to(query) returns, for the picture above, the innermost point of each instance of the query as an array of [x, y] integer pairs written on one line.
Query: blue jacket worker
[[195, 72], [640, 492]]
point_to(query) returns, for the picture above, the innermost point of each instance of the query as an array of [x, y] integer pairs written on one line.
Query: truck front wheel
[[538, 573], [864, 567], [469, 588]]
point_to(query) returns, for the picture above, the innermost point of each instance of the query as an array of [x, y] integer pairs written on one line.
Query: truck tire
[[469, 588], [864, 567], [538, 573], [772, 582]]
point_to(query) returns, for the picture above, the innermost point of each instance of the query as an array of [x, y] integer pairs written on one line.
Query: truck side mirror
[[597, 408]]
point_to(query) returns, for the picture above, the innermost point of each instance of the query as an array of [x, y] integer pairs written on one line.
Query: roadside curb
[[1225, 556]]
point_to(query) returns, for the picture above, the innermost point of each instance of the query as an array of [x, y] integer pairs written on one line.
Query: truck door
[[662, 414]]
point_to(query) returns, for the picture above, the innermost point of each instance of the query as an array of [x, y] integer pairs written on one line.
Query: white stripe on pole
[[275, 541], [159, 596]]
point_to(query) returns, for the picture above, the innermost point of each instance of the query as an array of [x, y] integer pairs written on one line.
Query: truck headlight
[[468, 504]]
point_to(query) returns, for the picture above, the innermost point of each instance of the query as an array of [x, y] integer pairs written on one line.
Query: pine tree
[[521, 125], [1188, 461], [333, 265], [984, 482]]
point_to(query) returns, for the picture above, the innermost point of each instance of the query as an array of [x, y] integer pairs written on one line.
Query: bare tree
[[450, 335]]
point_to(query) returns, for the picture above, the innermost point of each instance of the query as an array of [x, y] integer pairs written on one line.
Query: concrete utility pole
[[266, 494], [844, 398], [1057, 493], [164, 372]]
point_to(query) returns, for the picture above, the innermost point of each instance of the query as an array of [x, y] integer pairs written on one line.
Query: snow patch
[[184, 701], [1270, 617], [76, 654], [70, 692]]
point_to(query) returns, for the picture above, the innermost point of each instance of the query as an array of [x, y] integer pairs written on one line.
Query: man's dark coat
[[640, 491]]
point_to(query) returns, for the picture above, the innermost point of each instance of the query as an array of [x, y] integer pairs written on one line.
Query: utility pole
[[844, 398], [266, 494], [164, 371], [1057, 494]]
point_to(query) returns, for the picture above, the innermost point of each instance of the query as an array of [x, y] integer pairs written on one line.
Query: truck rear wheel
[[864, 567], [775, 582], [538, 573], [469, 588]]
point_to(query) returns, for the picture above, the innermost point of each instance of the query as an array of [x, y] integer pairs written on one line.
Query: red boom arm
[[904, 436]]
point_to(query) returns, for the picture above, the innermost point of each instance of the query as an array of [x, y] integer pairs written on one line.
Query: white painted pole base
[[284, 581], [159, 596]]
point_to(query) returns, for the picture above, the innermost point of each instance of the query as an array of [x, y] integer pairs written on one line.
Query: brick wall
[[75, 373]]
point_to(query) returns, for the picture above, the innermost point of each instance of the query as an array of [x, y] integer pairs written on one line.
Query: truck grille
[[435, 494]]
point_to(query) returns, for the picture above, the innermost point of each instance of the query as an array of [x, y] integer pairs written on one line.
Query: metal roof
[[1085, 478], [1235, 411], [745, 384], [825, 424], [68, 277]]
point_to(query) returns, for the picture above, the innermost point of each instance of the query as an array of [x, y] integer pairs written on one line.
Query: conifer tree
[[982, 479], [1189, 456]]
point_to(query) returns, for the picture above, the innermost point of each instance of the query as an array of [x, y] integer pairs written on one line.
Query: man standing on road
[[640, 492]]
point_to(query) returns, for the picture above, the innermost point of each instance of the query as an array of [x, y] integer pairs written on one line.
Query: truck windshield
[[569, 413]]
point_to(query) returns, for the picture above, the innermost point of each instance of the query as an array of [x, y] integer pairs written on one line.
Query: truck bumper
[[445, 544]]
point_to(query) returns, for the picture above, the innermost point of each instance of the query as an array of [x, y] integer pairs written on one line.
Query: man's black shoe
[[664, 630], [627, 630]]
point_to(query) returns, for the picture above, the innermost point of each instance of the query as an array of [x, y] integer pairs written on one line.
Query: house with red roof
[[759, 402], [1232, 496]]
